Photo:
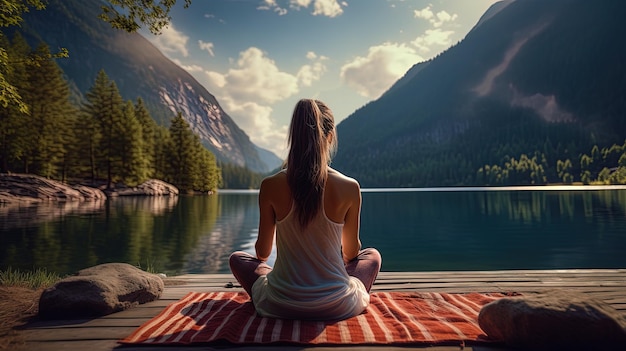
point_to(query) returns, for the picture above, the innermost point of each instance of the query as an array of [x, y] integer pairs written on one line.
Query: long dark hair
[[312, 142]]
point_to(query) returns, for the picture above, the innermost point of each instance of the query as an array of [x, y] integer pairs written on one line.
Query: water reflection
[[16, 215], [414, 230], [529, 206], [237, 223], [465, 230], [150, 232]]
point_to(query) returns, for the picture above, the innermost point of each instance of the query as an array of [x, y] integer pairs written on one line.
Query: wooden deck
[[102, 333]]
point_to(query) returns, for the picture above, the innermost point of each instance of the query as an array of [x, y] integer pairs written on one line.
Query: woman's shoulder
[[278, 175], [277, 179], [342, 179]]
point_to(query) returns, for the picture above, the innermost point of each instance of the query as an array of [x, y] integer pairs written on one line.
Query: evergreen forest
[[99, 139], [554, 112]]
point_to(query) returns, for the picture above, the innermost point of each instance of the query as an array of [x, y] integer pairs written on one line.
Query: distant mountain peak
[[493, 10], [140, 70], [534, 79]]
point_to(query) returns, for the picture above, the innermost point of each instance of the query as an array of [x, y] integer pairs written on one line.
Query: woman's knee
[[237, 258], [371, 254]]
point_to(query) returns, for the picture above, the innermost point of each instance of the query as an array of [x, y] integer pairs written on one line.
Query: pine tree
[[50, 117], [161, 153], [149, 135], [88, 124], [13, 114], [111, 127], [132, 169], [82, 153], [182, 158], [11, 15], [106, 106], [208, 173], [563, 169], [189, 165]]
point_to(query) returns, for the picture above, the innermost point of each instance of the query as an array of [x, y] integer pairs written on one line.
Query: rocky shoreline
[[29, 188]]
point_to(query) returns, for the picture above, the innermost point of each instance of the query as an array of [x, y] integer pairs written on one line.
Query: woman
[[320, 271]]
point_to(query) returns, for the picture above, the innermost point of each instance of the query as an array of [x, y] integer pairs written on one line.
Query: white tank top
[[309, 279]]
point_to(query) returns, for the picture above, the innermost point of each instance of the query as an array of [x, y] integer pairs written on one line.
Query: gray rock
[[90, 194], [31, 188], [553, 319], [98, 291], [151, 187], [157, 187]]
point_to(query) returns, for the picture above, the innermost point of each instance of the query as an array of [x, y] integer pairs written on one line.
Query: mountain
[[139, 70], [269, 158], [535, 78], [493, 10]]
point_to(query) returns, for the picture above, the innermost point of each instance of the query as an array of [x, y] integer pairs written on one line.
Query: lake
[[414, 229]]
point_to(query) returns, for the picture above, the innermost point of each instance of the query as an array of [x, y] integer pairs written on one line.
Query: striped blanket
[[391, 318]]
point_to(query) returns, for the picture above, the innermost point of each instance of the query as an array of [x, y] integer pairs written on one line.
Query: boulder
[[31, 188], [157, 187], [151, 187], [551, 320], [88, 193], [98, 291]]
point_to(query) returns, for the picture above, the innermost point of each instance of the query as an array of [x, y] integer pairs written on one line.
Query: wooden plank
[[93, 323], [87, 345], [68, 334], [102, 334], [502, 277], [110, 345]]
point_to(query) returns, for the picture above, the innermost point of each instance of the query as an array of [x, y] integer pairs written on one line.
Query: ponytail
[[312, 142]]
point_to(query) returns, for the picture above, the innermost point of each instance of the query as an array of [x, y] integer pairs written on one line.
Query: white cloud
[[436, 19], [310, 73], [208, 47], [269, 4], [188, 68], [255, 119], [171, 41], [300, 3], [272, 5], [216, 80], [444, 17], [425, 13], [433, 37], [257, 78], [247, 90], [373, 74], [329, 8], [211, 16]]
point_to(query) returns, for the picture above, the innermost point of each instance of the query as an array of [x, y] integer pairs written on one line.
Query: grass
[[151, 266], [39, 278], [19, 301]]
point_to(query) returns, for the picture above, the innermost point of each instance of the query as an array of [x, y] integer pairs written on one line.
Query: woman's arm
[[350, 242], [267, 222]]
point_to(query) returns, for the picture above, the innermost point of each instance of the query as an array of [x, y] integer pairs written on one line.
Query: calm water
[[415, 230]]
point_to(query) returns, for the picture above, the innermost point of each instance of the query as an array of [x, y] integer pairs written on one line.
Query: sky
[[259, 57]]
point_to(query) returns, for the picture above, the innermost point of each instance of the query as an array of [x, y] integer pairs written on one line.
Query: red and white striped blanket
[[391, 318]]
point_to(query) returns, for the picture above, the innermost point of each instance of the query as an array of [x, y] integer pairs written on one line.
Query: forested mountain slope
[[139, 70], [532, 95]]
